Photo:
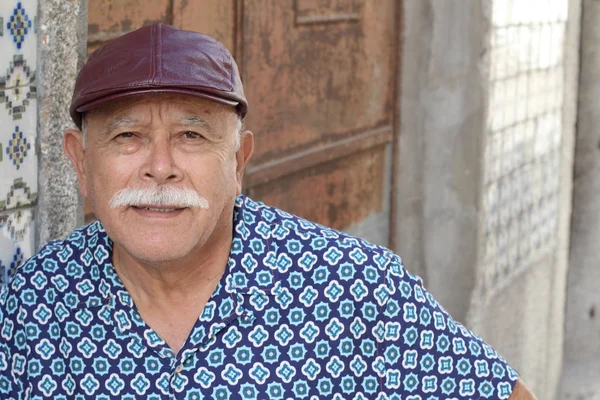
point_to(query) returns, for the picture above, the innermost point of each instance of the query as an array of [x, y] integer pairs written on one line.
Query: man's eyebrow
[[120, 123], [197, 122]]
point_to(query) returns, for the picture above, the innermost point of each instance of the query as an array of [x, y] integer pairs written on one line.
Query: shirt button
[[179, 369]]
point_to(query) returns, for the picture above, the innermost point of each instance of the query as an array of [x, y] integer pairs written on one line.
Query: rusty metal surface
[[262, 173], [317, 11], [109, 18], [336, 194], [312, 84], [395, 172], [213, 17]]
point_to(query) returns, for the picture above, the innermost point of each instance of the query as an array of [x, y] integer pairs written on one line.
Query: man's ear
[[242, 156], [75, 150]]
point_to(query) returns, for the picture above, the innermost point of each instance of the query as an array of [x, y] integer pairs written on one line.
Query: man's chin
[[159, 245], [156, 254], [158, 240]]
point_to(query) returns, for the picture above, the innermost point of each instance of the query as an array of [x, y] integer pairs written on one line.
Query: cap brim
[[175, 90]]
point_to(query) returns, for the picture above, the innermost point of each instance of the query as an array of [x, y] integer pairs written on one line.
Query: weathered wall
[[581, 379], [18, 131], [62, 48], [488, 118], [376, 227]]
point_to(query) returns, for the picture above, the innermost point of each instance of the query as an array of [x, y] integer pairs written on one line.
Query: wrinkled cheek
[[224, 176], [221, 186], [95, 191], [102, 189], [232, 180]]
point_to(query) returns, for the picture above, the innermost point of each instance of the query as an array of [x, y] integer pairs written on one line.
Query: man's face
[[162, 141]]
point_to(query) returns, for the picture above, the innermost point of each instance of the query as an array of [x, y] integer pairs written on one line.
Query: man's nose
[[160, 165]]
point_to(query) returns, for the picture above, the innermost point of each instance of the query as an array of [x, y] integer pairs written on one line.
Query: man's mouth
[[158, 209]]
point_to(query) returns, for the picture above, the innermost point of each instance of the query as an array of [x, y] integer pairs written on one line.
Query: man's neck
[[171, 295], [174, 281]]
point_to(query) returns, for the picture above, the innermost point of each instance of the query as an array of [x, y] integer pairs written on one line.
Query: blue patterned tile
[[18, 130], [19, 84], [18, 156], [16, 240], [18, 26]]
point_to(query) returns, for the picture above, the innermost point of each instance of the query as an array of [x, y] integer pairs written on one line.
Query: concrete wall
[[488, 114], [518, 303], [442, 111], [581, 378]]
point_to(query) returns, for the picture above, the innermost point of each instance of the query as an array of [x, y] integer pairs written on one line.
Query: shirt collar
[[250, 276]]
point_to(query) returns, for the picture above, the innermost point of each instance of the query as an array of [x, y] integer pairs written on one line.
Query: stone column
[[581, 377], [443, 108], [62, 39]]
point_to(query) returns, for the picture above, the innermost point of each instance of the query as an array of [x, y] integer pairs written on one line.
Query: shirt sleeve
[[13, 358], [428, 354]]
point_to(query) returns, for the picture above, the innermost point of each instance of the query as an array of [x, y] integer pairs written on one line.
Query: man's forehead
[[188, 109]]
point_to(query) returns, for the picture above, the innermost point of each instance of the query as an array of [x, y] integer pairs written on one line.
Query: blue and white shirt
[[301, 312]]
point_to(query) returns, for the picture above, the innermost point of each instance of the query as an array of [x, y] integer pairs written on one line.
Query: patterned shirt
[[301, 312]]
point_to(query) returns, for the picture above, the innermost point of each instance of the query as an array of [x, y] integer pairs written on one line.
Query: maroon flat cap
[[158, 59]]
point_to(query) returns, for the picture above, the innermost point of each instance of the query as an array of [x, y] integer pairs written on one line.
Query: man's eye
[[192, 135], [125, 135]]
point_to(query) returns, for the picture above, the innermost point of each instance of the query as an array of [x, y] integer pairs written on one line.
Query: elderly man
[[186, 289]]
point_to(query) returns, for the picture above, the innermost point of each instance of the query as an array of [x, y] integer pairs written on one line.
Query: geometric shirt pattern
[[301, 312]]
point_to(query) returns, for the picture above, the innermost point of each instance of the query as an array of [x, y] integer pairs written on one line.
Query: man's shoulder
[[308, 246], [61, 262], [282, 224]]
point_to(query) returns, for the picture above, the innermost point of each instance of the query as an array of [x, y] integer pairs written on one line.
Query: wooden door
[[320, 78]]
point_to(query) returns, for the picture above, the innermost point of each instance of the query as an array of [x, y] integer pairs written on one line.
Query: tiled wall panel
[[16, 240], [522, 152], [18, 131]]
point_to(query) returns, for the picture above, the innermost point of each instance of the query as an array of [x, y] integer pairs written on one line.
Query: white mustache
[[158, 196]]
